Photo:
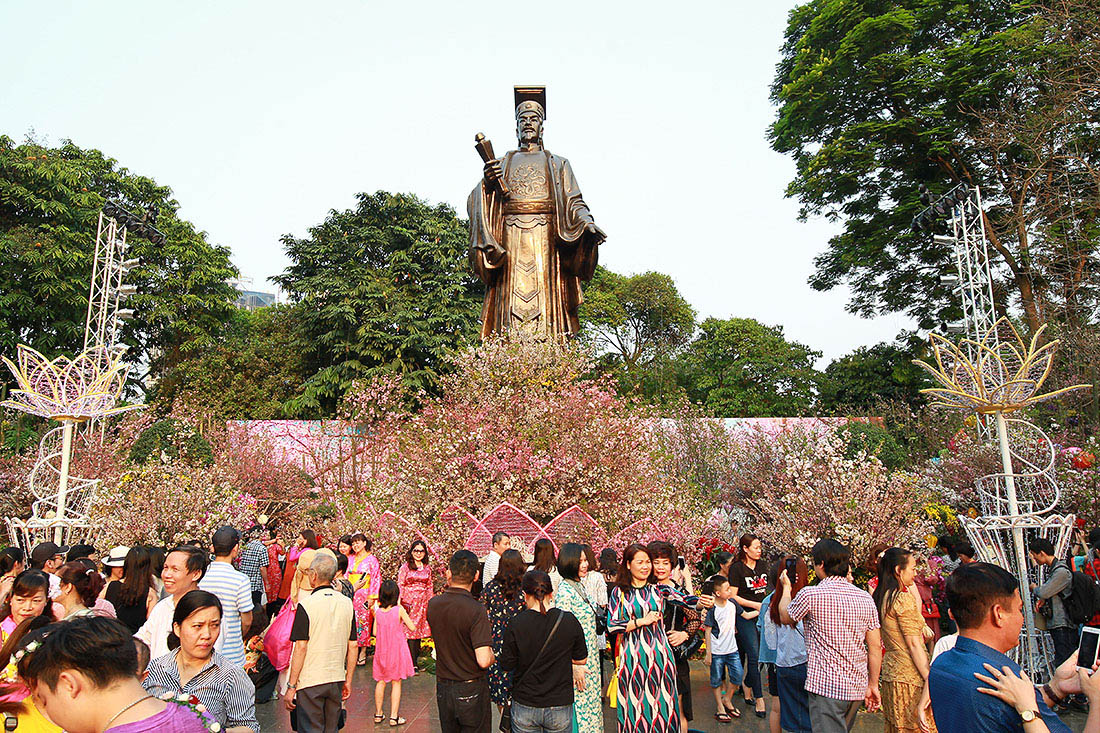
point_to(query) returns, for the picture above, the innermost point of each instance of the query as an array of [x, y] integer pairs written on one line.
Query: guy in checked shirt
[[255, 562], [842, 640]]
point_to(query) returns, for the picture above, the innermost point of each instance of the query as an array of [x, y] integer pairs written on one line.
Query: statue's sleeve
[[580, 248], [487, 255]]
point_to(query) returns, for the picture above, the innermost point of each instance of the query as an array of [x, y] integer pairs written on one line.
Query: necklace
[[120, 712]]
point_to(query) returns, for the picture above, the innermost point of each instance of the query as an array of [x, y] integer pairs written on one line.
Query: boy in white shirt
[[721, 626]]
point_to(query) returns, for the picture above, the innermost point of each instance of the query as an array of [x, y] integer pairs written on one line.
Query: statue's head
[[530, 114], [529, 118]]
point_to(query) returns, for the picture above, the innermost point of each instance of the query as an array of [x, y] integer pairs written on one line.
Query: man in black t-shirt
[[463, 649]]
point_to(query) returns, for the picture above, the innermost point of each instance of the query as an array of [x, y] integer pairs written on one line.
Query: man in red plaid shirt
[[842, 640]]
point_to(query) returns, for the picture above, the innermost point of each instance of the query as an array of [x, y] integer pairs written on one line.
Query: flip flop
[[723, 717], [732, 712]]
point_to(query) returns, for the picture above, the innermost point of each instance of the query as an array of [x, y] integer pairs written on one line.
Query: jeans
[[541, 720], [1065, 641], [728, 663], [794, 705], [748, 646], [463, 706]]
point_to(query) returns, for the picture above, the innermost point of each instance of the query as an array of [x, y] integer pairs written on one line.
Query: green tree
[[885, 371], [253, 368], [742, 368], [637, 323], [49, 202], [383, 287], [878, 96]]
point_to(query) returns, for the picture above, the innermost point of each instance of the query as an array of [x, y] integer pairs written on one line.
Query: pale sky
[[263, 116]]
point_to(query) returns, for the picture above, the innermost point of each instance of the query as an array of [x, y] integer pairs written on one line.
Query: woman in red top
[[415, 581]]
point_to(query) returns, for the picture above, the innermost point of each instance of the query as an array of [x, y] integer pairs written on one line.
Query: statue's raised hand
[[494, 174]]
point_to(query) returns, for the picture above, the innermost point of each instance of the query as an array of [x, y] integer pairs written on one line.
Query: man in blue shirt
[[985, 602]]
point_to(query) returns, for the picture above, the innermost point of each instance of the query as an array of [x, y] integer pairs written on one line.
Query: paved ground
[[418, 707]]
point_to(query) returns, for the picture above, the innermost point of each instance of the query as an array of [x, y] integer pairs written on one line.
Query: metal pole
[[63, 482], [1017, 538]]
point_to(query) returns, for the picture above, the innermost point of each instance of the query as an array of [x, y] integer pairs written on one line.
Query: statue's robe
[[531, 249]]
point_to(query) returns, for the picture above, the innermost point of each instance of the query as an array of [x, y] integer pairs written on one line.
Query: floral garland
[[192, 703]]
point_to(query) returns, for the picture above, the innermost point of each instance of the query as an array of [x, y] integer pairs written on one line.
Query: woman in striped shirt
[[195, 669]]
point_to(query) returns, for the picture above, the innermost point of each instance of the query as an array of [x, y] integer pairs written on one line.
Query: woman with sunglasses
[[414, 578]]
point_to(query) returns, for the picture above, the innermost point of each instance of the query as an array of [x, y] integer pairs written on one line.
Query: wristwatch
[[1028, 715]]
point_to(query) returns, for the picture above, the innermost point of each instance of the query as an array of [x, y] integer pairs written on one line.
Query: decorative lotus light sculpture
[[70, 391], [79, 389], [1006, 374]]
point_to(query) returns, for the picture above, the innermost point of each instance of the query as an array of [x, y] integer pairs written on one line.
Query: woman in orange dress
[[905, 665]]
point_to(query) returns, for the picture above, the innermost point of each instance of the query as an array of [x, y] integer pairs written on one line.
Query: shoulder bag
[[506, 712]]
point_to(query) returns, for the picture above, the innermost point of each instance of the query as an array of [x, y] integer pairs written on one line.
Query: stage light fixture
[[125, 314]]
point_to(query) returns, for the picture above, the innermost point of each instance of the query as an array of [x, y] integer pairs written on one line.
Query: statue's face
[[529, 127]]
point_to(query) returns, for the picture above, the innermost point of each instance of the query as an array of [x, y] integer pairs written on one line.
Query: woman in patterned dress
[[365, 575], [647, 700], [573, 597], [905, 665], [503, 599], [415, 581]]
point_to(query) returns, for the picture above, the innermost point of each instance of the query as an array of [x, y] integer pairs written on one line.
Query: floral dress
[[646, 680], [365, 597], [501, 610], [587, 708], [416, 591]]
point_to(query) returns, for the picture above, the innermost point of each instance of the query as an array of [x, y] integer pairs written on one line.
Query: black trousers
[[464, 707], [1065, 643]]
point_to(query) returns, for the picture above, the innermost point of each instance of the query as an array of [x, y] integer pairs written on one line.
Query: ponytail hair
[[537, 584], [85, 581]]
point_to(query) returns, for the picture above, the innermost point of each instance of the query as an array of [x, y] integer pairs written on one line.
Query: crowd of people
[[192, 638]]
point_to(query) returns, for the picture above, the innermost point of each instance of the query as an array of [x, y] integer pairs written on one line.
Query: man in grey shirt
[[1063, 632]]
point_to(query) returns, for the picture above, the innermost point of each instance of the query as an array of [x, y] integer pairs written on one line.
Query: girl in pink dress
[[365, 574], [392, 661], [415, 581]]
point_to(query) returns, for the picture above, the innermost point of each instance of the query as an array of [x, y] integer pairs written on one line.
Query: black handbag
[[600, 612], [675, 613], [506, 711]]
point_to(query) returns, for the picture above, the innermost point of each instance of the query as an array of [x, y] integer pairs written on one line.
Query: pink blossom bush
[[799, 486]]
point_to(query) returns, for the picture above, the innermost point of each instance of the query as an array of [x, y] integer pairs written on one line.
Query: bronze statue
[[532, 238]]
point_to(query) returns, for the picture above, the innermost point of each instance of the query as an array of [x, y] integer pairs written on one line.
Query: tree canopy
[[876, 97], [49, 202], [383, 287], [742, 368], [871, 374]]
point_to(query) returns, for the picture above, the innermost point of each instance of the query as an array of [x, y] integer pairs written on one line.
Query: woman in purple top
[[83, 673]]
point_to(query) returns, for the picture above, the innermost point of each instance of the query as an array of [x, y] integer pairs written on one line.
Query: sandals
[[362, 662], [379, 718], [723, 717], [733, 712], [394, 722]]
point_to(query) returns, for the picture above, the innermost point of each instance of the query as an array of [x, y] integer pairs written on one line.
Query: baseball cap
[[44, 551], [116, 558]]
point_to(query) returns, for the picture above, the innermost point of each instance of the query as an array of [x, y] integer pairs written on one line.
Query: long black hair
[[888, 587], [544, 555], [510, 572], [137, 577], [411, 561]]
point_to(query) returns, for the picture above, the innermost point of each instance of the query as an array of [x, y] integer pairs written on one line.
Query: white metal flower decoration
[[79, 389]]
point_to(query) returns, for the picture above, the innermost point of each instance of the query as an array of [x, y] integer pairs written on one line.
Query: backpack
[[1083, 599]]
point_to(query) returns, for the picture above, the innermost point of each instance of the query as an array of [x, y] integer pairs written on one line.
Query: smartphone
[[682, 562], [790, 566], [707, 588], [1090, 644]]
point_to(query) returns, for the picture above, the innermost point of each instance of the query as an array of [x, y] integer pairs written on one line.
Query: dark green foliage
[[878, 96], [637, 324], [383, 287], [870, 374], [249, 371], [741, 368], [171, 438], [875, 440], [49, 204]]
